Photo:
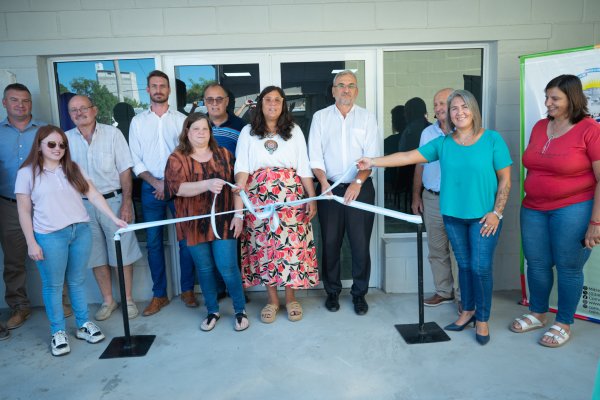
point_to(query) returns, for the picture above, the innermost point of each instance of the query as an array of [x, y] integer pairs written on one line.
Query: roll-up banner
[[536, 71]]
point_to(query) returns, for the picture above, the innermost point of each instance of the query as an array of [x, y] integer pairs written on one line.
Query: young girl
[[48, 188]]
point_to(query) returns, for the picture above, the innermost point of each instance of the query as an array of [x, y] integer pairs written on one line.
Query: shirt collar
[[32, 122]]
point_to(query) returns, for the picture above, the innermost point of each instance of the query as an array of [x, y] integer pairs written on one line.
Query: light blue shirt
[[432, 174], [15, 148], [469, 182]]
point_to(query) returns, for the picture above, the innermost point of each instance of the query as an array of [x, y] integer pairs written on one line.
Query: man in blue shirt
[[17, 132], [226, 127]]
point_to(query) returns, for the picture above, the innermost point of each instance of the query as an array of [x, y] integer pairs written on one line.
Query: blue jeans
[[156, 210], [554, 238], [475, 257], [66, 251], [221, 254]]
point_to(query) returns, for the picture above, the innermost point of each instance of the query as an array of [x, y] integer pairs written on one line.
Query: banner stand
[[126, 346], [423, 332]]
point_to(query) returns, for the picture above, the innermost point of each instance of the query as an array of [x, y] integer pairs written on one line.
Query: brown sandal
[[294, 310], [269, 313]]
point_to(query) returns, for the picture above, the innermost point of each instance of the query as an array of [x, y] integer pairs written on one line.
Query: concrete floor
[[324, 356]]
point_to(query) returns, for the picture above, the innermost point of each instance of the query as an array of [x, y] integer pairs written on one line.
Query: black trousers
[[337, 219]]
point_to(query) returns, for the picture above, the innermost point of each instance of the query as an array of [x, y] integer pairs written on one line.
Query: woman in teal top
[[475, 164]]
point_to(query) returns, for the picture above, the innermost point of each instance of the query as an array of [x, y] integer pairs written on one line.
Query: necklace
[[464, 141], [555, 132], [270, 144]]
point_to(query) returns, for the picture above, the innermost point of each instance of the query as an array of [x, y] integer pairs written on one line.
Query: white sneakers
[[88, 332], [60, 344], [105, 311]]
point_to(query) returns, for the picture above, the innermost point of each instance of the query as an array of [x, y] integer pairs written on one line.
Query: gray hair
[[344, 72], [472, 105]]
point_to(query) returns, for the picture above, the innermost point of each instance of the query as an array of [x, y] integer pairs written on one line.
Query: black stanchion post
[[126, 346], [422, 332]]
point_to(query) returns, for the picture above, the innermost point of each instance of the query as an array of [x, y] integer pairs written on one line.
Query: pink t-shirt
[[563, 174], [56, 203]]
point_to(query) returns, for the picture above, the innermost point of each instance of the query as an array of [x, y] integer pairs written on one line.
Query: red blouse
[[563, 174]]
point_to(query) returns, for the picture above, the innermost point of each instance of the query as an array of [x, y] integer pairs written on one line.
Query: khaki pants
[[441, 259], [14, 247]]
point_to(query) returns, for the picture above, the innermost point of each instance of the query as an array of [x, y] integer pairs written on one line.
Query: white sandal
[[526, 326], [560, 338]]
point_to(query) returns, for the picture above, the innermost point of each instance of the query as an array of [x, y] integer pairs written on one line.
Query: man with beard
[[339, 135], [153, 135]]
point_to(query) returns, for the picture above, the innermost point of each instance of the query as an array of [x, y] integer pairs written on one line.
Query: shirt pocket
[[358, 137], [104, 162]]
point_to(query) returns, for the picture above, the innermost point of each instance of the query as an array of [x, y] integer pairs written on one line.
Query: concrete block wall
[[33, 30]]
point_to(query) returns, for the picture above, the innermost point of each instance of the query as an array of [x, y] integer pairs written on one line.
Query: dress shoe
[[4, 332], [455, 327], [189, 298], [332, 303], [360, 305], [155, 305], [437, 300], [481, 339], [18, 318]]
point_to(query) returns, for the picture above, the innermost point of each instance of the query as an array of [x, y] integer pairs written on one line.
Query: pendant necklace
[[270, 144]]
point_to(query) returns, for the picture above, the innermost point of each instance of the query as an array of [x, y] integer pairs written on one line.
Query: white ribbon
[[270, 210]]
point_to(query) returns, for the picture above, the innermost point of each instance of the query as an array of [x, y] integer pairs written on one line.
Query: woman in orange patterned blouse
[[272, 163], [196, 172]]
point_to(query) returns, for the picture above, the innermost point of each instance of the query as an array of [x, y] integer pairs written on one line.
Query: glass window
[[411, 78]]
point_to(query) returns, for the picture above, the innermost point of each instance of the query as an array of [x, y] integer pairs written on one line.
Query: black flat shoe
[[360, 305], [332, 303], [455, 327], [482, 340]]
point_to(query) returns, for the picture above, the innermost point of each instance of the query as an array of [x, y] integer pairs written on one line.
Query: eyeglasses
[[80, 109], [52, 144], [273, 100], [342, 86], [214, 100]]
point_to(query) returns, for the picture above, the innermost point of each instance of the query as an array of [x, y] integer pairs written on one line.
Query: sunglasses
[[52, 144]]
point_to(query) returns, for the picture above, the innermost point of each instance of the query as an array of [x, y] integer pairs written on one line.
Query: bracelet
[[239, 216], [594, 223], [500, 216]]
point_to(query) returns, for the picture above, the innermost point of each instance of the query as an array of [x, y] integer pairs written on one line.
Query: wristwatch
[[497, 214], [358, 181]]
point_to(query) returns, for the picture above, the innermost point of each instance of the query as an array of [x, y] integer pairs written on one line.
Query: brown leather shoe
[[155, 305], [436, 300], [189, 298], [18, 318]]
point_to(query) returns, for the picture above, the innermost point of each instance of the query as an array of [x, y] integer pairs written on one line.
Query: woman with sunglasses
[[272, 163], [49, 188]]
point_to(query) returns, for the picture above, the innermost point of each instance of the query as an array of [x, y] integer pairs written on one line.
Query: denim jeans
[[221, 254], [554, 238], [156, 210], [66, 251], [475, 257]]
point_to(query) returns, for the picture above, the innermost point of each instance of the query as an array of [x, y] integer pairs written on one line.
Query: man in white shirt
[[428, 177], [102, 152], [153, 135], [339, 135]]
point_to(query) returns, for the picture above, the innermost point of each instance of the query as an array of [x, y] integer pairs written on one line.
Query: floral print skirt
[[286, 257]]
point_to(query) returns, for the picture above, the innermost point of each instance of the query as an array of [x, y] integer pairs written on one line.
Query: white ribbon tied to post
[[269, 211]]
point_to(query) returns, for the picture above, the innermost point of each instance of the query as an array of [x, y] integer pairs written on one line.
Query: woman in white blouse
[[272, 165]]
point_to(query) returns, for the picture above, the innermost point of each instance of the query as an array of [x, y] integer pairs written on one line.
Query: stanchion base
[[137, 346], [431, 333]]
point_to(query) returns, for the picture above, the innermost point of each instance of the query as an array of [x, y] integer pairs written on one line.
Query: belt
[[433, 192], [8, 199], [110, 195]]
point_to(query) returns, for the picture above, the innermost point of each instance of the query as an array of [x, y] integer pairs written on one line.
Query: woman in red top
[[560, 214]]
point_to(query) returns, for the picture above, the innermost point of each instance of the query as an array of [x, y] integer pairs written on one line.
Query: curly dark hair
[[285, 122]]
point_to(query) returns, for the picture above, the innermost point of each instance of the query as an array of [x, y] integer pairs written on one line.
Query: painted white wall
[[33, 30]]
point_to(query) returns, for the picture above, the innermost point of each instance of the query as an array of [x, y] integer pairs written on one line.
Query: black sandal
[[239, 317], [209, 323]]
